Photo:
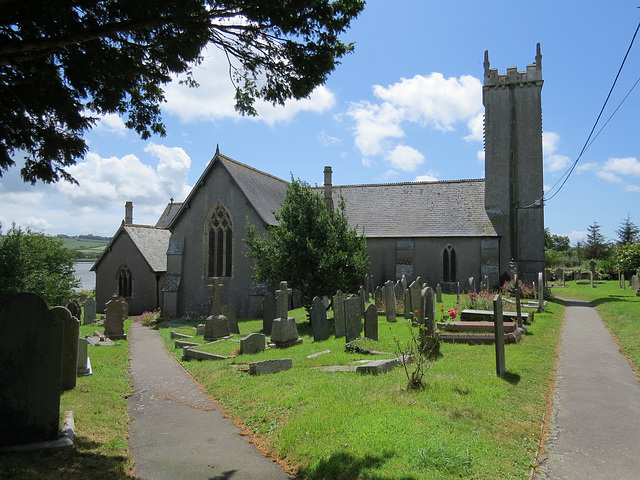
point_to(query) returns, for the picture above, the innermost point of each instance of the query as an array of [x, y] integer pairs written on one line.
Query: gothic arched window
[[449, 264], [219, 234], [124, 281]]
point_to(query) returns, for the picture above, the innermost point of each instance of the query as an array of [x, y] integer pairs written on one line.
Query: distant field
[[86, 248]]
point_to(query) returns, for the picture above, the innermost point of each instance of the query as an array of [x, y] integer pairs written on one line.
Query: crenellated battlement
[[533, 74]]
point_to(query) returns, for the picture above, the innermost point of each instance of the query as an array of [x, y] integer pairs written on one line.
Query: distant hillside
[[87, 247]]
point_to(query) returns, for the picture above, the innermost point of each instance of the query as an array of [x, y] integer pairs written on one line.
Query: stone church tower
[[513, 165]]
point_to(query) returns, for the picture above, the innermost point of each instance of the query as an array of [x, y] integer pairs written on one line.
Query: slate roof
[[170, 211], [151, 242], [417, 209], [263, 191]]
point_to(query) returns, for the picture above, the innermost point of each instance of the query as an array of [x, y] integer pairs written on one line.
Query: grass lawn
[[99, 408], [467, 423], [619, 309]]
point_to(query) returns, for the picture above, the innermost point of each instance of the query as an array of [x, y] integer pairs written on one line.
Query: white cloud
[[586, 167], [476, 127], [430, 101], [367, 162], [327, 140], [111, 124], [110, 182], [425, 178], [36, 223], [405, 158], [553, 161], [576, 236], [214, 98], [629, 166], [633, 188], [480, 156], [609, 176]]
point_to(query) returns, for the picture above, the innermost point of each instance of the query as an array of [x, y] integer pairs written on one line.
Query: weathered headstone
[[635, 283], [501, 369], [540, 292], [252, 343], [229, 311], [378, 298], [338, 313], [268, 312], [390, 301], [414, 293], [403, 282], [559, 274], [30, 369], [439, 293], [352, 318], [89, 311], [71, 332], [471, 285], [114, 319], [319, 322], [284, 331], [270, 366], [429, 306], [74, 307], [591, 279], [84, 364], [623, 284], [518, 304], [216, 325], [371, 322]]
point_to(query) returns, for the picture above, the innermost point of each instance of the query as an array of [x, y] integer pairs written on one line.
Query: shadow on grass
[[512, 378], [345, 466], [45, 465]]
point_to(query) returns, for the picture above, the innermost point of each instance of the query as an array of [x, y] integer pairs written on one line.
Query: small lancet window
[[220, 242], [449, 264], [124, 282]]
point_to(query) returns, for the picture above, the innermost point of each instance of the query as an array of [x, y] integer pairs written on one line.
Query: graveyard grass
[[467, 423], [99, 406]]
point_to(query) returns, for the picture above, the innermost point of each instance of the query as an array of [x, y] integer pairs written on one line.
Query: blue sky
[[405, 106]]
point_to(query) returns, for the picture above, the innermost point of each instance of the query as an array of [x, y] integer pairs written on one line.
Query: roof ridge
[[153, 227], [249, 167], [425, 182]]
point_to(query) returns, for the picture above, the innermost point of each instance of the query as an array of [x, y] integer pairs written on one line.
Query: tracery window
[[124, 281], [449, 264], [219, 231]]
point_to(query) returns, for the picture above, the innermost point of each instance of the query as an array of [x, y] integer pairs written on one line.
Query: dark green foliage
[[64, 63], [314, 250], [628, 232], [596, 247], [33, 262]]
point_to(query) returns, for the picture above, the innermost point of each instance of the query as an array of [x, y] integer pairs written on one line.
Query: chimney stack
[[328, 191], [128, 213]]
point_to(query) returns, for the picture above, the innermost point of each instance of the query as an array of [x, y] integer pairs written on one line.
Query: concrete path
[[176, 432], [595, 427]]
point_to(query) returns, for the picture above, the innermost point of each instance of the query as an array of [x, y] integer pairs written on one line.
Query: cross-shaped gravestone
[[282, 300], [216, 288]]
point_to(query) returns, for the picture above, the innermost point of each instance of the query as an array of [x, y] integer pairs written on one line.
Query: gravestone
[[414, 293], [371, 322], [252, 343], [71, 332], [338, 313], [471, 285], [501, 369], [378, 298], [84, 364], [518, 303], [635, 284], [398, 289], [591, 279], [266, 367], [352, 318], [114, 319], [439, 293], [592, 265], [268, 312], [319, 322], [229, 311], [623, 284], [74, 307], [363, 300], [89, 311], [30, 368], [559, 274], [216, 325], [429, 305], [403, 282], [540, 292], [284, 331], [390, 301]]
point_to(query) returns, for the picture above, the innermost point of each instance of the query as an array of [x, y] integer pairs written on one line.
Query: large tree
[[33, 262], [596, 246], [313, 249], [65, 62], [628, 232]]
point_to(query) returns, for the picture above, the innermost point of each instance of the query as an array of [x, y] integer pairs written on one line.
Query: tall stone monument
[[216, 325], [284, 331]]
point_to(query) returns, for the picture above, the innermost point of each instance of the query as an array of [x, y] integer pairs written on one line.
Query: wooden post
[[501, 369]]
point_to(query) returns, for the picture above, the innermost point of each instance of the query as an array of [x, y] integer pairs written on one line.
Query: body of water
[[87, 277]]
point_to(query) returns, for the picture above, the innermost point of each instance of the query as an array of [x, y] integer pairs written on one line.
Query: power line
[[588, 142]]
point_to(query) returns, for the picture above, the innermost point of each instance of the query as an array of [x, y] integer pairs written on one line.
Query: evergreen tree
[[33, 262], [628, 232], [64, 63], [596, 246], [313, 249]]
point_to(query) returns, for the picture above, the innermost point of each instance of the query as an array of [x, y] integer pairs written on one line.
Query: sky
[[405, 106]]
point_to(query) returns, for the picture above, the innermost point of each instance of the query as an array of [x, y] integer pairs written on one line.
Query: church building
[[443, 231]]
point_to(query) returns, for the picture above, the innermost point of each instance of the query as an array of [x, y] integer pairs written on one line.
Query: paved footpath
[[595, 426], [176, 432]]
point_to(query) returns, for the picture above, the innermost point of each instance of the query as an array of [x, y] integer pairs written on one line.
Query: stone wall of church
[[193, 298]]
